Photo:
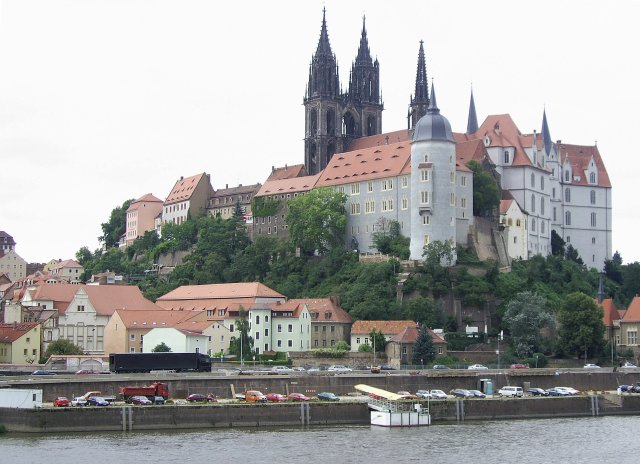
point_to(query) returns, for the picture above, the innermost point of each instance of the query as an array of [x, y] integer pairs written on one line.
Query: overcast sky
[[101, 101]]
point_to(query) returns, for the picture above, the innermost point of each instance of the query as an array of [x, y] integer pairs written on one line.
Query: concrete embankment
[[115, 418]]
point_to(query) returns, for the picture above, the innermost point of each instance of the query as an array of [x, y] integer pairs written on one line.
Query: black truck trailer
[[147, 362]]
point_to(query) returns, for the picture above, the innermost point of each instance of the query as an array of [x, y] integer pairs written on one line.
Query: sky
[[103, 101]]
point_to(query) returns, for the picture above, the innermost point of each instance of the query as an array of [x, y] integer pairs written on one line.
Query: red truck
[[151, 391]]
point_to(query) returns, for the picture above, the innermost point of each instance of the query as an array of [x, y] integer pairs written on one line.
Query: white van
[[510, 391]]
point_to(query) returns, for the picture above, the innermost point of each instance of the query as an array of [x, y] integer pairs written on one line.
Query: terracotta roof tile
[[184, 188], [151, 318], [633, 311], [230, 292], [327, 309], [288, 172], [610, 312], [579, 156], [148, 198], [284, 186], [388, 328], [9, 333]]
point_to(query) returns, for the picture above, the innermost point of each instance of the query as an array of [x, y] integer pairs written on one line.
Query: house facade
[[189, 197], [141, 217], [67, 270], [179, 340], [223, 201], [20, 343]]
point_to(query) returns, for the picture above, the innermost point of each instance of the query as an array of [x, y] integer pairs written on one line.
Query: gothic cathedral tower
[[332, 118]]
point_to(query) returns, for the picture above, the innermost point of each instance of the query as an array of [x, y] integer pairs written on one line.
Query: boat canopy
[[379, 392]]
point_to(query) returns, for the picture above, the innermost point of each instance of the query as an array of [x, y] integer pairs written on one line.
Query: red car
[[298, 397], [276, 397], [61, 401], [519, 366], [200, 398]]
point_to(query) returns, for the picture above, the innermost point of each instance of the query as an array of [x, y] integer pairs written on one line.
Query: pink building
[[141, 217]]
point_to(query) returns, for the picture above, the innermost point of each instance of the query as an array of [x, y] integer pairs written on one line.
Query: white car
[[591, 366], [281, 370], [438, 394], [339, 368], [423, 394], [79, 401], [511, 391], [569, 390], [628, 365], [477, 367]]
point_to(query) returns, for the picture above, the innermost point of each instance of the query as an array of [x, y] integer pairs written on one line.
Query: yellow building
[[20, 343]]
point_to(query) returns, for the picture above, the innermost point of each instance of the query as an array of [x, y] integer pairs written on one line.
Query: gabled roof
[[610, 312], [294, 307], [633, 311], [239, 190], [184, 188], [579, 156], [221, 292], [9, 333], [366, 164], [6, 239], [148, 198], [287, 172], [324, 307], [389, 328], [66, 263], [60, 294], [379, 140], [151, 318], [410, 335], [107, 298], [284, 186]]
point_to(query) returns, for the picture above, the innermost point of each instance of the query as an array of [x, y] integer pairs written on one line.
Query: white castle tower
[[433, 181]]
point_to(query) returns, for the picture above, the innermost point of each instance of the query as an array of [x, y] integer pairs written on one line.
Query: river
[[558, 441]]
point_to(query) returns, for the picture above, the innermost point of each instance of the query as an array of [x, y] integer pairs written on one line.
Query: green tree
[[62, 346], [388, 240], [239, 211], [161, 348], [486, 192], [581, 327], [557, 244], [525, 315], [317, 220], [113, 229], [572, 255], [83, 256], [342, 346], [613, 268], [242, 345], [424, 311], [377, 340], [424, 351]]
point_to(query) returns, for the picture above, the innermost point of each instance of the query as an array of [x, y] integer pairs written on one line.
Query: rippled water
[[558, 441]]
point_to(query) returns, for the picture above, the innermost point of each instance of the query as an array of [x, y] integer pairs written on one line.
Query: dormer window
[[567, 176], [506, 157], [592, 177]]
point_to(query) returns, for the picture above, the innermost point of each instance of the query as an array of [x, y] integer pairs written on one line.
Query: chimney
[[226, 186], [181, 177]]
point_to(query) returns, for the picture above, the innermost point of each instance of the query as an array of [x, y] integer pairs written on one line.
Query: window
[[257, 336], [404, 350], [355, 189], [289, 343], [506, 157], [355, 208], [533, 203], [592, 197], [452, 199], [315, 343], [290, 328], [405, 203], [463, 202], [387, 205], [554, 214], [592, 177], [333, 343], [553, 193], [567, 218], [463, 181], [632, 337], [405, 182], [567, 195], [231, 328], [593, 219], [542, 226], [452, 177], [266, 319], [518, 223], [132, 337], [266, 332], [593, 240], [542, 206], [369, 207], [25, 351], [567, 176], [280, 343], [533, 180], [80, 308], [257, 320], [424, 197], [424, 175], [533, 225], [279, 327], [541, 182], [369, 187]]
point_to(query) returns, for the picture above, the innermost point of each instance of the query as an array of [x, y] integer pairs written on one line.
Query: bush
[[365, 349], [328, 353]]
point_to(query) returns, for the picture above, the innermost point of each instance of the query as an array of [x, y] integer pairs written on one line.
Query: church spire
[[546, 135], [324, 47], [364, 55], [323, 71], [420, 101], [472, 122], [364, 81]]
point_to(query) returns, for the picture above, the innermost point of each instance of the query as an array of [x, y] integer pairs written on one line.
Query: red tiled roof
[[633, 311], [148, 198], [410, 335], [324, 307], [284, 186], [610, 312], [389, 328], [184, 188], [379, 140], [230, 292], [579, 156], [9, 333], [151, 318], [288, 172]]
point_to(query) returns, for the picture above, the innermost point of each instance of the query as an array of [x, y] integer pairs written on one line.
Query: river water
[[559, 441]]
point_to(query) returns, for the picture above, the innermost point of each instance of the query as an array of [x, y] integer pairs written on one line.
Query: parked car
[[407, 395], [159, 400], [254, 396], [440, 366], [438, 394], [591, 366], [537, 391], [61, 401], [555, 391], [298, 397], [628, 365], [79, 401], [40, 372], [339, 368], [477, 367], [200, 398], [240, 396], [139, 400], [328, 396], [276, 397], [281, 370], [519, 366], [477, 394], [461, 393], [86, 372], [515, 392], [97, 401], [423, 394]]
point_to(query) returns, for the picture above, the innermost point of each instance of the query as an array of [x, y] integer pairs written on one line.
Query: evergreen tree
[[424, 351], [557, 244], [581, 327], [161, 348]]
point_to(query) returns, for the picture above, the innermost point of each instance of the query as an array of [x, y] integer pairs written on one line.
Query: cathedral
[[419, 176]]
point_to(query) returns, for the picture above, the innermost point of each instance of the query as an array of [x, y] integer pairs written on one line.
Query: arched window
[[533, 203], [592, 177], [542, 205], [331, 122], [567, 218], [592, 196], [518, 223], [533, 225], [566, 176], [567, 195], [313, 122]]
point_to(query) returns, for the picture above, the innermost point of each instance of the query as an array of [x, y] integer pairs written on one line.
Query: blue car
[[97, 401]]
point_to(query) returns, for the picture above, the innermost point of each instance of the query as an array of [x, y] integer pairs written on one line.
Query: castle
[[419, 176]]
